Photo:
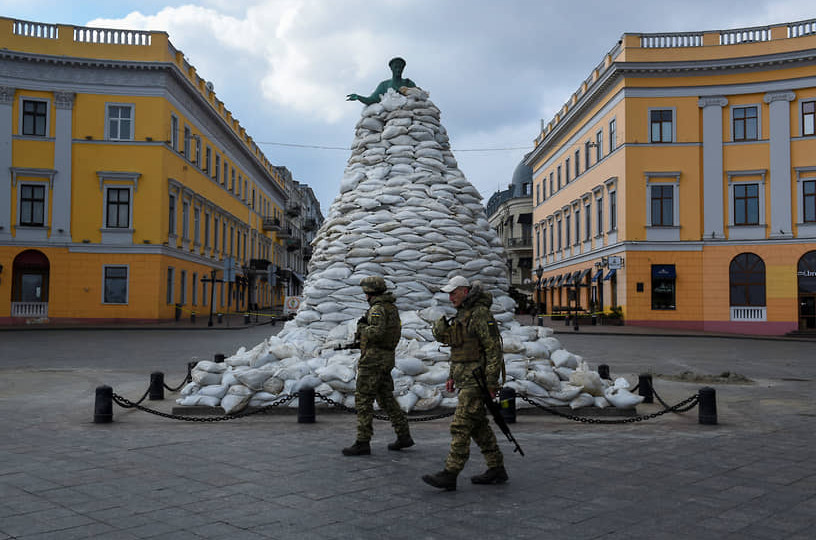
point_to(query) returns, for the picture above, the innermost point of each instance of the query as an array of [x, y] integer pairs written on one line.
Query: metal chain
[[187, 379], [680, 407], [352, 410], [122, 402], [130, 404]]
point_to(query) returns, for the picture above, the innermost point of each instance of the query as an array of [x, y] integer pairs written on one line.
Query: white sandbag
[[228, 379], [551, 343], [411, 366], [590, 381], [547, 379], [601, 402], [512, 344], [407, 401], [211, 367], [255, 378], [205, 378], [536, 349], [564, 358], [309, 381], [621, 382], [621, 397], [347, 387], [273, 385], [582, 400], [449, 402], [434, 375], [564, 373], [262, 360], [516, 370], [198, 399], [190, 388], [237, 360], [429, 403], [214, 390], [335, 371], [402, 383], [532, 389], [566, 393], [236, 399]]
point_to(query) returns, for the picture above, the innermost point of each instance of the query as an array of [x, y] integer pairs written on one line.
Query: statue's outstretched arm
[[373, 98]]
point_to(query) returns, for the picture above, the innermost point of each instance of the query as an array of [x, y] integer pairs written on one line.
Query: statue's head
[[397, 64]]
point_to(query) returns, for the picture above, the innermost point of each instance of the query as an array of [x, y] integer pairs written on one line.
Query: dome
[[522, 175]]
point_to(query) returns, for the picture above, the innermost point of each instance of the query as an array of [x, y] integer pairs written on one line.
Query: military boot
[[359, 448], [493, 475], [443, 480], [403, 441]]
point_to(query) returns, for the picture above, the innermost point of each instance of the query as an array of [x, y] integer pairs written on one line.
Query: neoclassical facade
[[678, 183], [125, 183]]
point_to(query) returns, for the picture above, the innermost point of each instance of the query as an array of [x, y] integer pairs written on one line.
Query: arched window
[[747, 280]]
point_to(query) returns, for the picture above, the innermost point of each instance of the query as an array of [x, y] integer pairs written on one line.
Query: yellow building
[[124, 182], [678, 183]]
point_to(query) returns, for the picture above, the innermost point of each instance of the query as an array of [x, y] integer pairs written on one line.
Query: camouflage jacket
[[379, 331], [474, 340]]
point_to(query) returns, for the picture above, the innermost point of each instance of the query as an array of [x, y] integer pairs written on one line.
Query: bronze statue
[[396, 82]]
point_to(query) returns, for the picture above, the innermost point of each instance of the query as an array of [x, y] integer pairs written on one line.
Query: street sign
[[615, 262]]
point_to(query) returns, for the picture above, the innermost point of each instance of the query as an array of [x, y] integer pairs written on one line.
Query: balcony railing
[[520, 243], [29, 309], [285, 233], [292, 209], [748, 313], [271, 224]]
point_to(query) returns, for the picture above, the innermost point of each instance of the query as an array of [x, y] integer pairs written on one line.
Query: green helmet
[[373, 285]]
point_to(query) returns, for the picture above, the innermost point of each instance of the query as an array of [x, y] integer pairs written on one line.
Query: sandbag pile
[[405, 212]]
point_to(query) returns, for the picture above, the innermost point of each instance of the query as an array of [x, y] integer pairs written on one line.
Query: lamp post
[[539, 272]]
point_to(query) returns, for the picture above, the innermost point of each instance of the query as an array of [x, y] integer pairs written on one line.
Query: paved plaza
[[751, 476]]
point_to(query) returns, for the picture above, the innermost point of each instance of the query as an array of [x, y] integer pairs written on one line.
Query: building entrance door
[[29, 289], [806, 276]]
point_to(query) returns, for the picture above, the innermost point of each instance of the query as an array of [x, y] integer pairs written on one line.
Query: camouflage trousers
[[470, 422], [375, 382]]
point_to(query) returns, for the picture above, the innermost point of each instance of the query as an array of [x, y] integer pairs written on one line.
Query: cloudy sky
[[495, 69]]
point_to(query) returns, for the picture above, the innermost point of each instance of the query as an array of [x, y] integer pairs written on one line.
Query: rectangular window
[[577, 163], [599, 204], [559, 177], [613, 126], [588, 222], [215, 235], [174, 130], [32, 205], [662, 206], [746, 204], [224, 239], [204, 297], [552, 185], [567, 171], [183, 287], [120, 122], [568, 230], [661, 126], [226, 170], [613, 210], [232, 180], [185, 220], [245, 193], [809, 118], [809, 200], [35, 117], [560, 244], [198, 151], [745, 123], [206, 229], [217, 169], [172, 217], [208, 160], [118, 208], [663, 286], [187, 140], [197, 225], [587, 146], [170, 280], [577, 226], [598, 146], [552, 243], [194, 289], [538, 193], [116, 285]]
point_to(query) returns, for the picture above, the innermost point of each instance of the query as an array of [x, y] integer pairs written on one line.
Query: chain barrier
[[352, 410], [123, 402], [683, 406], [187, 379], [131, 404]]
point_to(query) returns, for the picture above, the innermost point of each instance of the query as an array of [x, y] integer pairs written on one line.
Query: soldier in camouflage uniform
[[475, 342], [378, 333]]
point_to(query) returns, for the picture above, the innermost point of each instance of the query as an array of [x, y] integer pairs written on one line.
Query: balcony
[[292, 209], [293, 243], [259, 264], [29, 310], [284, 233], [309, 224], [271, 224], [524, 242]]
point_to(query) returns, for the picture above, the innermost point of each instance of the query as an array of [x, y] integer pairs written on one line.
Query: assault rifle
[[494, 409], [347, 346]]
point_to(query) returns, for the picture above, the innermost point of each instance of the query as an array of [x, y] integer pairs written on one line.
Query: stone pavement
[[751, 476]]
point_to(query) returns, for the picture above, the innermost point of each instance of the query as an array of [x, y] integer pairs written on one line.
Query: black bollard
[[103, 405], [246, 318], [707, 401], [567, 320], [507, 402], [192, 317], [218, 358], [645, 387], [603, 371], [220, 318], [541, 320], [306, 406], [156, 390]]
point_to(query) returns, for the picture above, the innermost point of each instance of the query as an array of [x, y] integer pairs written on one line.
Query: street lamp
[[539, 272]]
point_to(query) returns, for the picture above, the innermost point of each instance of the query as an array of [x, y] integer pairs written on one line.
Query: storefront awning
[[663, 271], [611, 274], [567, 279], [557, 282], [583, 274], [597, 275], [549, 281]]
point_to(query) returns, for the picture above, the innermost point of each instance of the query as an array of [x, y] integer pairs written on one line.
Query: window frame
[[170, 285], [21, 203], [109, 120], [672, 305], [807, 119], [598, 146], [187, 150], [174, 132], [745, 284], [105, 278], [129, 205], [757, 126], [613, 132], [661, 122], [46, 117]]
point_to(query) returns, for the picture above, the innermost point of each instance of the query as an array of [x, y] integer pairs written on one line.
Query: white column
[[6, 104], [713, 222], [61, 195], [780, 222]]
